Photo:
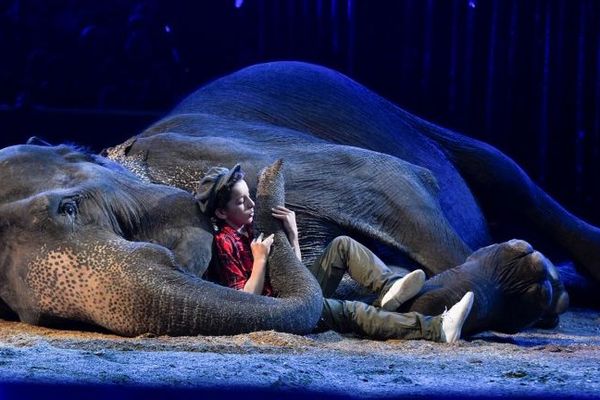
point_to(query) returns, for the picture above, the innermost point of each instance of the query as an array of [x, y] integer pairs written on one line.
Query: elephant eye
[[69, 208]]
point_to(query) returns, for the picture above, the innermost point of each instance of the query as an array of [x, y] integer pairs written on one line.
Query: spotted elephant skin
[[117, 240]]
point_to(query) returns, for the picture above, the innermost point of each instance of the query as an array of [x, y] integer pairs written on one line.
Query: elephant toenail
[[539, 263], [546, 292], [537, 257], [551, 269], [563, 303], [520, 245]]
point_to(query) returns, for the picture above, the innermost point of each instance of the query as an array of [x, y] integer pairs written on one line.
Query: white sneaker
[[403, 289], [454, 318]]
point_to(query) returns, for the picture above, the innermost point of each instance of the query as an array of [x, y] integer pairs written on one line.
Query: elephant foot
[[514, 287], [526, 276]]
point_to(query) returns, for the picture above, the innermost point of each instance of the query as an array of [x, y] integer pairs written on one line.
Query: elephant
[[117, 241]]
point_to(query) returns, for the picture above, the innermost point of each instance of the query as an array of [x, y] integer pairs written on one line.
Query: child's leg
[[374, 323], [346, 254]]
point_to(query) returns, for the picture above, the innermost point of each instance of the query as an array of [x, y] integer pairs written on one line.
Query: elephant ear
[[380, 197]]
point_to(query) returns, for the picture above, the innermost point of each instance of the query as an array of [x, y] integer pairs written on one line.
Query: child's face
[[239, 210]]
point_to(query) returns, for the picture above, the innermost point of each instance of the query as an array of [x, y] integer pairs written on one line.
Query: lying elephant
[[123, 248]]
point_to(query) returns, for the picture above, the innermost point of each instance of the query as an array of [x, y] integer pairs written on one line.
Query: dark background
[[520, 74]]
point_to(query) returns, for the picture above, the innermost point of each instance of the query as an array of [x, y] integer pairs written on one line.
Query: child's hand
[[288, 218], [261, 247]]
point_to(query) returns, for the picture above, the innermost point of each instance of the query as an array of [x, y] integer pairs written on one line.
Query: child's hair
[[223, 196], [214, 189]]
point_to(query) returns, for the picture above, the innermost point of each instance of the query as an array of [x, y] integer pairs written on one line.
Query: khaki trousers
[[344, 254]]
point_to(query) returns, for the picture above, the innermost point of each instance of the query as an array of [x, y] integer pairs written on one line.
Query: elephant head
[[84, 240]]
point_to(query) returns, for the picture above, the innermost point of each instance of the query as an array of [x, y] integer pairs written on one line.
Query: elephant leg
[[433, 243], [513, 286], [503, 187]]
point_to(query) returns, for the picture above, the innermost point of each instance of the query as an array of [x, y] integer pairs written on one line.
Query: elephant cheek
[[74, 287]]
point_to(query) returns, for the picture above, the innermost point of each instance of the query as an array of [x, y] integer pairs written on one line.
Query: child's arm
[[260, 251], [288, 218]]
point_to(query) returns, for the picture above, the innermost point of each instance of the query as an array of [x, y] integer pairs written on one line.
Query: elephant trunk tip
[[270, 177]]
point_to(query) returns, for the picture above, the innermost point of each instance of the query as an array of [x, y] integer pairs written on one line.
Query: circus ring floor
[[562, 362]]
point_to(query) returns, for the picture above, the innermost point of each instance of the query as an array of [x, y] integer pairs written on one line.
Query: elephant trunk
[[186, 305], [285, 270]]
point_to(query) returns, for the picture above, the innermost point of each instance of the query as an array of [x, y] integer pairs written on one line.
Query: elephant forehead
[[29, 170], [26, 172]]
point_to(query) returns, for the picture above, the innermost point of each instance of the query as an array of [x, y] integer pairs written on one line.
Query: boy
[[241, 264]]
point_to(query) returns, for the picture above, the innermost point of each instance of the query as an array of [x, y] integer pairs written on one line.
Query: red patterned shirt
[[235, 259]]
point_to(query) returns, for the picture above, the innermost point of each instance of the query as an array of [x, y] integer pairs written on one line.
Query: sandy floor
[[563, 361]]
